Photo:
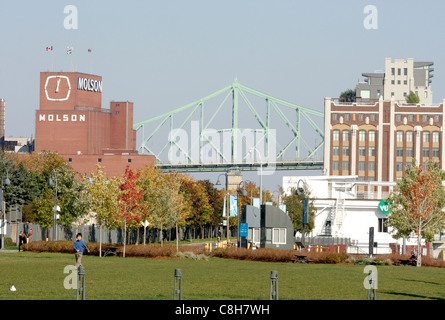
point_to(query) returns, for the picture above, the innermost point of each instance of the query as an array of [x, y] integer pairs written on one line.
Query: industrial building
[[71, 121]]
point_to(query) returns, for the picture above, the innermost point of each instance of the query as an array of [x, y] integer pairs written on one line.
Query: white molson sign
[[62, 117], [89, 85]]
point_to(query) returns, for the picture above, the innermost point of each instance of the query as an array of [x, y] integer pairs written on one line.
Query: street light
[[218, 183], [261, 173], [302, 191], [240, 191], [51, 183], [3, 225]]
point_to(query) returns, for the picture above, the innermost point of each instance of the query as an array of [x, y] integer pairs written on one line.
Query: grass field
[[39, 276]]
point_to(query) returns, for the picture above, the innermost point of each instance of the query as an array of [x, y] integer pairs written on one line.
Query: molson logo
[[89, 85], [62, 117]]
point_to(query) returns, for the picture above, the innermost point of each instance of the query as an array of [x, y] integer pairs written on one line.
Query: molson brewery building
[[71, 122]]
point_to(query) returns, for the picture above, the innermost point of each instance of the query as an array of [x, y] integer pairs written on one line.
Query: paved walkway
[[8, 251]]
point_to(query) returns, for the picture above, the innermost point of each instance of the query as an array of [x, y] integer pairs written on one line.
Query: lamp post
[[2, 190], [261, 173], [240, 191], [51, 183], [218, 183], [302, 191]]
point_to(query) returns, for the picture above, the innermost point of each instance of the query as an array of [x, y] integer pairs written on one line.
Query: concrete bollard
[[81, 283], [274, 285], [177, 293]]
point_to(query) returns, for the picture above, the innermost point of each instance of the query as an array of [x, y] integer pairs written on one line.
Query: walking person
[[79, 246]]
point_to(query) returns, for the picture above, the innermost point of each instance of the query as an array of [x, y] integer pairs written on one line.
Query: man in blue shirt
[[79, 247]]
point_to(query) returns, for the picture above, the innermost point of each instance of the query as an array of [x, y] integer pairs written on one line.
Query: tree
[[412, 98], [294, 206], [417, 204], [347, 96], [130, 203], [102, 194]]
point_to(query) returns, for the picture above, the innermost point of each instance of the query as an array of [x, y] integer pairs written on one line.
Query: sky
[[166, 53]]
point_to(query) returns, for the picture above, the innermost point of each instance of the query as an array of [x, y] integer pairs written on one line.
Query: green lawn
[[40, 276]]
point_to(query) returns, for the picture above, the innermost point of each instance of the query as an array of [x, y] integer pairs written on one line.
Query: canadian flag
[[49, 48]]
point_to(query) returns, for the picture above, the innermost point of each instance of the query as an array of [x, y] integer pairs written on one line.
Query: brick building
[[72, 122]]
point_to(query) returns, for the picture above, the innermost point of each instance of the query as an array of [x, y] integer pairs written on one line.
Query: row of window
[[361, 116], [399, 117], [425, 117], [408, 151], [345, 166], [399, 71], [426, 135], [361, 151]]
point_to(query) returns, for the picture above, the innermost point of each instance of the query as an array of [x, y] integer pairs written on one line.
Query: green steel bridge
[[235, 128]]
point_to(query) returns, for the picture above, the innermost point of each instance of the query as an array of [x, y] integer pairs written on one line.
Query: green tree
[[347, 96], [417, 204], [412, 98], [102, 195], [294, 206]]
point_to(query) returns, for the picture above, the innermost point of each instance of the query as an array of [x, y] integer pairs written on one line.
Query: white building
[[344, 212]]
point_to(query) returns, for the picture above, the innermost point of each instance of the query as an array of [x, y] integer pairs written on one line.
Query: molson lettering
[[89, 85], [62, 117]]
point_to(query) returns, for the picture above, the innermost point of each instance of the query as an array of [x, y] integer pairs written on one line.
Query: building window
[[373, 117], [410, 117], [255, 235], [426, 152], [426, 136], [335, 151], [371, 166], [362, 135], [371, 152], [117, 104], [399, 71], [345, 165], [436, 136], [335, 116], [382, 225], [99, 160], [409, 152], [405, 71], [279, 236], [347, 116], [372, 136], [345, 135], [361, 116], [361, 166], [399, 166], [398, 117], [117, 112], [399, 152], [129, 160], [409, 136], [346, 151], [398, 82], [405, 82], [436, 118], [425, 118], [393, 81], [361, 151], [70, 159], [336, 135], [435, 152], [399, 136], [393, 71], [335, 166]]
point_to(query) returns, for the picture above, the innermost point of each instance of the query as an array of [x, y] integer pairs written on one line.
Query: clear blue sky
[[163, 54]]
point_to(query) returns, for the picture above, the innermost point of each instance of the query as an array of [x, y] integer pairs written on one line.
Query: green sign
[[383, 207]]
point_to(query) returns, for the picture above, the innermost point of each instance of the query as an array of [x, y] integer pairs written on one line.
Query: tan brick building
[[375, 141]]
